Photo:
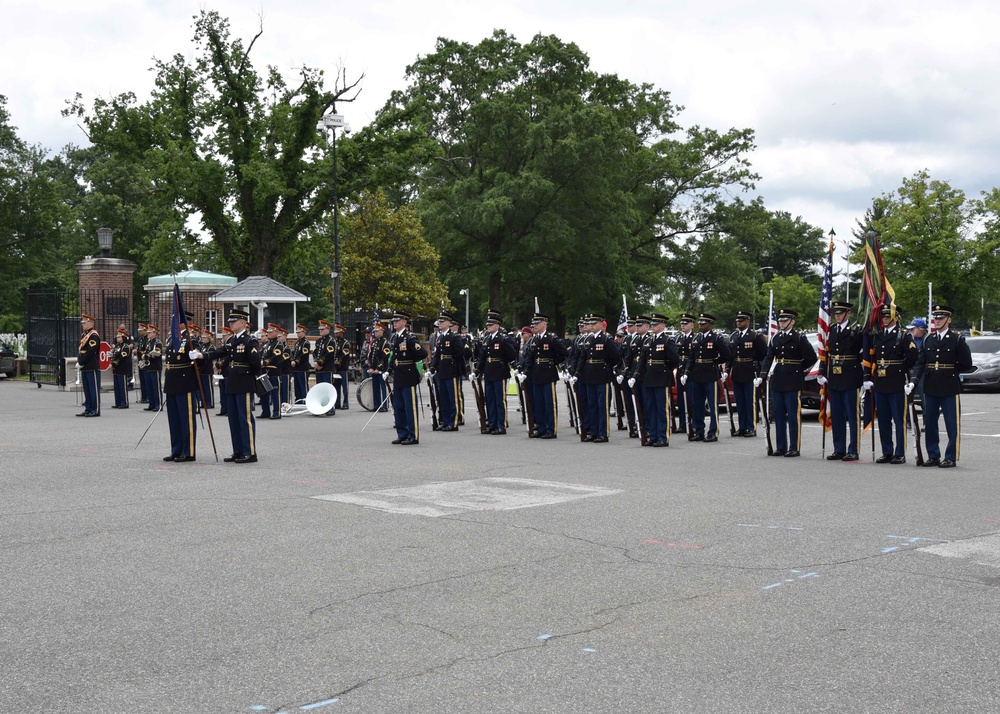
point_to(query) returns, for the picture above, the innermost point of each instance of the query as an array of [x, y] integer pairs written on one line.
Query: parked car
[[7, 358], [985, 361]]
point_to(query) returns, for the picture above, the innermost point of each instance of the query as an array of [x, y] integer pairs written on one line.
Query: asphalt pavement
[[479, 573]]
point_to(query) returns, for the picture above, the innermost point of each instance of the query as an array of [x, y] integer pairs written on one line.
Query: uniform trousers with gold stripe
[[787, 419], [183, 426], [950, 408]]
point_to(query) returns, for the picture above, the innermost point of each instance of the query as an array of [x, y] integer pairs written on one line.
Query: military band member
[[545, 353], [179, 387], [600, 357], [944, 356], [748, 349], [138, 349], [574, 362], [894, 355], [221, 367], [153, 357], [406, 351], [654, 374], [496, 354], [89, 362], [378, 366], [323, 356], [285, 377], [243, 356], [271, 361], [708, 355], [201, 340], [447, 363], [789, 356], [342, 361], [842, 374], [683, 342], [121, 368], [300, 362]]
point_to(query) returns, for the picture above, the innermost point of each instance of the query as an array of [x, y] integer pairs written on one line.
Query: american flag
[[823, 330], [772, 319], [623, 318]]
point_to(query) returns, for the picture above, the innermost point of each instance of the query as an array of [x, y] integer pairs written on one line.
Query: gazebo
[[266, 299], [198, 290]]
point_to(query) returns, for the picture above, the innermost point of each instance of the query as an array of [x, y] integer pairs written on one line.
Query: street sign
[[334, 121], [105, 356]]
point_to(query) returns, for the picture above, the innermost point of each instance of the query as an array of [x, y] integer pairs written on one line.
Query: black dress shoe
[[791, 454], [883, 459], [124, 407], [898, 460], [222, 414], [660, 443], [947, 464], [676, 430], [711, 439], [247, 459], [932, 462], [836, 456], [750, 433], [409, 442], [850, 457], [587, 438], [449, 428], [697, 437], [170, 458], [92, 414], [143, 401], [182, 459], [278, 416], [547, 436], [384, 409], [778, 452], [150, 409], [84, 414], [234, 457], [498, 432], [397, 441], [600, 440], [633, 435]]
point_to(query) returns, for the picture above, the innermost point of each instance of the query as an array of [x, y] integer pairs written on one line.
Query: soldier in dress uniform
[[574, 363], [598, 360], [137, 350], [324, 355], [636, 392], [271, 361], [843, 376], [153, 356], [628, 346], [709, 352], [460, 332], [789, 357], [496, 354], [300, 362], [683, 342], [654, 374], [121, 368], [944, 356], [544, 354], [342, 360], [894, 355], [406, 351], [378, 366], [201, 339], [221, 367], [179, 387], [242, 353], [748, 349], [446, 364], [89, 362], [285, 377]]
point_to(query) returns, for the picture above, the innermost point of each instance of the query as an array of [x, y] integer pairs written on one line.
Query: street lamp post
[[465, 291], [334, 122]]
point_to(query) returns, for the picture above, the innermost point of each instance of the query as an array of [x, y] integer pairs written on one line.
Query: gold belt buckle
[[838, 369], [881, 372], [936, 364]]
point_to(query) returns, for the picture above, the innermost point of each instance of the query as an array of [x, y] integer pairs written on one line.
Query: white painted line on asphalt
[[990, 436], [453, 497], [984, 550]]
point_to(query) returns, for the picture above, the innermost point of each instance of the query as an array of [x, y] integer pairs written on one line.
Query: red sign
[[105, 356]]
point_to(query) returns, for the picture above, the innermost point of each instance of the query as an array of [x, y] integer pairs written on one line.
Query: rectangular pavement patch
[[984, 550], [485, 494]]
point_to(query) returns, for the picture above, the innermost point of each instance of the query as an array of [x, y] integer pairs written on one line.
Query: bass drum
[[365, 395]]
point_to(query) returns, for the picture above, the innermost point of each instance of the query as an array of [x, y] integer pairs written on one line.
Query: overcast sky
[[846, 98]]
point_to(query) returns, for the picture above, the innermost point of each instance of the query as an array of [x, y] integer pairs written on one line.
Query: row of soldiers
[[642, 366]]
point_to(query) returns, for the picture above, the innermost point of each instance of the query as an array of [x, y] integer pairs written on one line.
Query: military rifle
[[640, 417], [762, 400], [729, 405], [916, 430], [477, 391]]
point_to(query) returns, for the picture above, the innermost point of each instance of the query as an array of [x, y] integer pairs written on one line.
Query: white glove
[[194, 354], [724, 375], [684, 380], [620, 378], [521, 376], [384, 377], [757, 381], [564, 376], [820, 380], [473, 375], [572, 381], [430, 374], [631, 382], [909, 388], [867, 385]]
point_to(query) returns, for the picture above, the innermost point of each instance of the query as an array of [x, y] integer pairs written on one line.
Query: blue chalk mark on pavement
[[317, 705], [803, 576], [544, 637], [259, 708], [589, 649]]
